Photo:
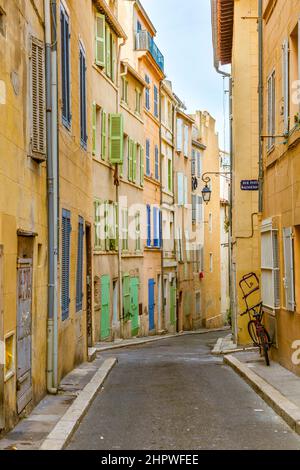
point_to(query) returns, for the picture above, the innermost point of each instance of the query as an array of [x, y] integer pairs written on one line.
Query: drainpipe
[[51, 109], [260, 103], [117, 183]]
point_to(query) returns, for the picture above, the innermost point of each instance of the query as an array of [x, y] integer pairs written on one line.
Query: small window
[[2, 22], [138, 101], [97, 129], [83, 120], [148, 166], [125, 90]]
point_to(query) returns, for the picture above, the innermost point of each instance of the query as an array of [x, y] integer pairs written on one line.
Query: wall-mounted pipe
[[260, 104]]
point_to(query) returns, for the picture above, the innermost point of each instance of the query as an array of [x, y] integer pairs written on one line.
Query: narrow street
[[174, 394]]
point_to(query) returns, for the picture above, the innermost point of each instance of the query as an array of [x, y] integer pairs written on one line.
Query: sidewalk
[[55, 418], [279, 387], [123, 343], [227, 346]]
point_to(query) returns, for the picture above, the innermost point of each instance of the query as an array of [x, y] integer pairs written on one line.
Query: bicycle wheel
[[252, 332]]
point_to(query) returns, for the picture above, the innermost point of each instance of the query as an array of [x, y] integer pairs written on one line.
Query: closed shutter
[[155, 101], [185, 190], [106, 225], [199, 164], [130, 157], [142, 164], [147, 93], [155, 227], [38, 97], [103, 135], [100, 40], [116, 138], [83, 125], [113, 59], [180, 189], [134, 155], [79, 275], [65, 67], [94, 129], [285, 84], [65, 265], [199, 209], [289, 281], [170, 175], [148, 225], [186, 141], [194, 208], [193, 162], [97, 218], [179, 135]]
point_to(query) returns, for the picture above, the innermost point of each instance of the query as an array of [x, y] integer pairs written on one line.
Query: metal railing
[[145, 42]]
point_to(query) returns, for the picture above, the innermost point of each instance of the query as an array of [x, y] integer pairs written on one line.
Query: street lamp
[[206, 191]]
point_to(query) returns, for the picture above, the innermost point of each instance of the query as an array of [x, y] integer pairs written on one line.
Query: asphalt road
[[173, 395]]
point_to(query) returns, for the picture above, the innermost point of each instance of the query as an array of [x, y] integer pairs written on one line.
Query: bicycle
[[257, 331]]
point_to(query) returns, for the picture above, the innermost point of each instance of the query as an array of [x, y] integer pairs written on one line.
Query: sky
[[184, 37]]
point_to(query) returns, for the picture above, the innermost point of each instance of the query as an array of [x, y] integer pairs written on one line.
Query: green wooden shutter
[[126, 297], [116, 138], [129, 159], [103, 136], [108, 52], [142, 166], [134, 155], [106, 225], [100, 40], [94, 143], [105, 307]]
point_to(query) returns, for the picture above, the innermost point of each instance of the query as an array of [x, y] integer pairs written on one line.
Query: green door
[[134, 305], [105, 307], [172, 305]]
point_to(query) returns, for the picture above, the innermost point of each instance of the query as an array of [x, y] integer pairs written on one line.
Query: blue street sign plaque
[[249, 185]]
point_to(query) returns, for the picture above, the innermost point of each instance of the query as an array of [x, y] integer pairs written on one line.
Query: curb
[[151, 340], [67, 425], [287, 410]]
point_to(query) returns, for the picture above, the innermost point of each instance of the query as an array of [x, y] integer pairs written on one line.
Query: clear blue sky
[[184, 37]]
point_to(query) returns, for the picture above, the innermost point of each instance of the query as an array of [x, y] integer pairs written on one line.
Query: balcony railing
[[145, 42]]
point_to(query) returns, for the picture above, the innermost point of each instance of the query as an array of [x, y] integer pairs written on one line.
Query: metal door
[[24, 338], [134, 305], [151, 303]]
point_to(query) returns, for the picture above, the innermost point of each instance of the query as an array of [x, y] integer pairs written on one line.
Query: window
[[110, 226], [83, 123], [103, 135], [170, 175], [156, 163], [170, 116], [9, 367], [138, 232], [138, 26], [285, 83], [194, 208], [105, 47], [132, 160], [210, 223], [291, 69], [38, 141], [125, 90], [289, 276], [2, 22], [271, 110], [211, 266], [193, 164], [142, 169], [156, 227], [148, 169], [147, 93], [180, 189], [97, 130], [126, 297], [270, 278], [65, 67], [138, 101], [100, 40], [185, 181], [79, 275], [65, 264], [125, 229], [179, 135], [156, 101], [199, 209], [99, 225], [199, 164], [148, 225]]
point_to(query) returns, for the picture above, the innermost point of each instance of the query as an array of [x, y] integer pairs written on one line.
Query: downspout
[[51, 201], [117, 183], [260, 104], [163, 310]]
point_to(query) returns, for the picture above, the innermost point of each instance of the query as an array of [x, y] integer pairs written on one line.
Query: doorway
[[151, 304], [89, 293]]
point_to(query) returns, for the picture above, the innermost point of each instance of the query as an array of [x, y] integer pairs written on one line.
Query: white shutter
[[180, 190], [200, 209], [285, 84], [270, 288], [179, 135], [194, 208], [185, 190], [289, 283], [186, 140], [38, 97]]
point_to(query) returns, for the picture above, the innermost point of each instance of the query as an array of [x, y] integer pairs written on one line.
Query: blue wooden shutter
[[79, 275], [65, 273], [65, 66], [148, 225], [83, 124], [155, 101]]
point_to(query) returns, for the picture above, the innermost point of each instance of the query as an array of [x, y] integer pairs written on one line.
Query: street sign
[[249, 185]]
